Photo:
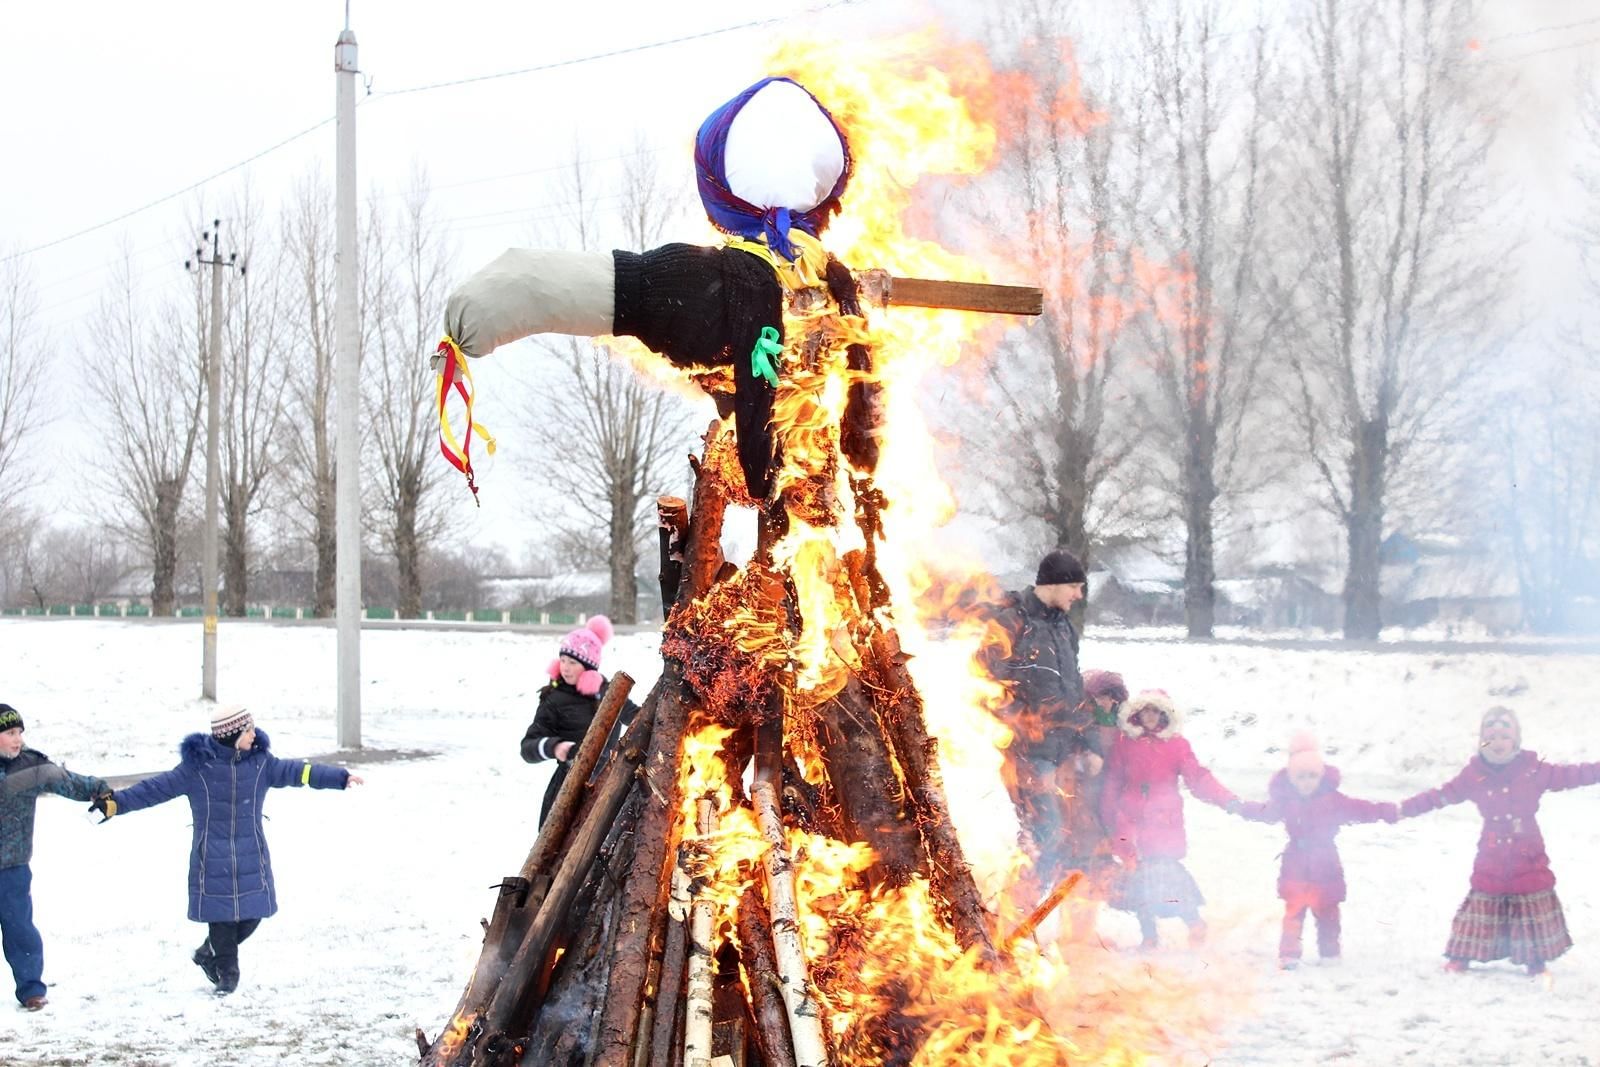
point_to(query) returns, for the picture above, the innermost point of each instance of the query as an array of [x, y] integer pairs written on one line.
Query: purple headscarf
[[733, 214]]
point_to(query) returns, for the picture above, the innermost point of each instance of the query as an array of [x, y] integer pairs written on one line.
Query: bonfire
[[768, 870]]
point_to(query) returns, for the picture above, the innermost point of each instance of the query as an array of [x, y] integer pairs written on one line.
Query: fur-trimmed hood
[[1150, 698], [198, 749]]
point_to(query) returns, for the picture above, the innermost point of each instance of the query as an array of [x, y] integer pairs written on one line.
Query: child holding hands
[[1511, 910], [1305, 797]]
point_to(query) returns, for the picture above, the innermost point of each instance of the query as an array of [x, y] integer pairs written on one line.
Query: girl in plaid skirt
[[1512, 911], [1142, 811]]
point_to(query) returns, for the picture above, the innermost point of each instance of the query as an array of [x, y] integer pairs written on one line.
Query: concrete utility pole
[[208, 551], [347, 375]]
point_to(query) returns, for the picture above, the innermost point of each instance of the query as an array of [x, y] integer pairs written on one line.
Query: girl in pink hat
[[1511, 910], [568, 704], [1305, 797]]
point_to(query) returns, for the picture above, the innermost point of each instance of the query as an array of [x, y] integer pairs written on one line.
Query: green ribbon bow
[[768, 348]]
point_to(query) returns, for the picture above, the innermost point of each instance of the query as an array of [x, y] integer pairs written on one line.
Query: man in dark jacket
[[24, 775], [1040, 672]]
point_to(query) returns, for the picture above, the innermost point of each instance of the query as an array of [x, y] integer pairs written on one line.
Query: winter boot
[[34, 1003], [227, 976], [1455, 965], [1535, 968], [1288, 963], [206, 960], [1197, 933]]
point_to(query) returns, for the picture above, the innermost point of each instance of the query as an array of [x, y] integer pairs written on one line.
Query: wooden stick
[[697, 1022], [512, 1001], [1042, 912], [871, 798], [918, 754], [805, 1017], [668, 993], [643, 892], [520, 897], [761, 974], [890, 291]]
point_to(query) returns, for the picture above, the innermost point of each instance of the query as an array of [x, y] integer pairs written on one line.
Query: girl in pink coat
[[1305, 797], [1142, 811], [1512, 910]]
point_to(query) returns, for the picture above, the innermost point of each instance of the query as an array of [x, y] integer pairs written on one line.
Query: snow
[[382, 888]]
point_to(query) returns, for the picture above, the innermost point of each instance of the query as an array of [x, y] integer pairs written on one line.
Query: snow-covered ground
[[382, 888]]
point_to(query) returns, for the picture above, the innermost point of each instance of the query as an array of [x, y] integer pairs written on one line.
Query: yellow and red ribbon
[[456, 375]]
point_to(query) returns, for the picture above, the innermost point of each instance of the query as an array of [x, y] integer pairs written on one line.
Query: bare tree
[[405, 270], [24, 352], [1205, 320], [605, 429], [1546, 432], [1396, 291], [308, 242], [147, 380], [1050, 440], [255, 338]]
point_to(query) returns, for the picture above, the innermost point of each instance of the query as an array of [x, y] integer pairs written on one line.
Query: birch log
[[794, 979], [697, 1018]]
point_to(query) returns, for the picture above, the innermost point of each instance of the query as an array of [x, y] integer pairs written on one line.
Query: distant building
[[1430, 580]]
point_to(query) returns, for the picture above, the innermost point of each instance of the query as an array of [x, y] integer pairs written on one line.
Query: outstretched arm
[[1558, 776], [157, 789], [286, 772], [527, 291], [1354, 810], [1203, 784], [78, 786], [1452, 792]]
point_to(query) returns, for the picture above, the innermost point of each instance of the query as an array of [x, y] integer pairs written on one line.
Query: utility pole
[[347, 376], [208, 551]]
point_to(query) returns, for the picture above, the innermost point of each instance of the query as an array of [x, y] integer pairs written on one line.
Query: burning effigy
[[768, 868]]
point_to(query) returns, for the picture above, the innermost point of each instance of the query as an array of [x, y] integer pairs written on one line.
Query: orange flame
[[886, 963]]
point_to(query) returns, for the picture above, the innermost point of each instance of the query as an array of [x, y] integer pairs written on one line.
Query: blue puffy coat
[[230, 870]]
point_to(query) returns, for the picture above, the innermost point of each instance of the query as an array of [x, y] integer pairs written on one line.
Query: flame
[[886, 963]]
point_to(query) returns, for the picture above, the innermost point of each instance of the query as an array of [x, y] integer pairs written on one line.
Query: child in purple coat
[[1512, 910], [1305, 797]]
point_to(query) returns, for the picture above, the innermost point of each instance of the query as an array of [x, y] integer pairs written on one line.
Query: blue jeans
[[24, 948]]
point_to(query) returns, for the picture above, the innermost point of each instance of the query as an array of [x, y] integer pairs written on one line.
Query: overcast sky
[[110, 105]]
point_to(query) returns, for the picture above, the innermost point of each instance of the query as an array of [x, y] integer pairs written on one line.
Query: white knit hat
[[230, 720]]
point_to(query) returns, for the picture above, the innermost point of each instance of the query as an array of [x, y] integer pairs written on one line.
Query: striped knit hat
[[229, 722], [10, 718]]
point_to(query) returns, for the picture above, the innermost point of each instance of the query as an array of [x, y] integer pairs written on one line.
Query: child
[[1142, 810], [1512, 910], [1305, 797], [24, 774], [226, 775], [567, 705], [1079, 782]]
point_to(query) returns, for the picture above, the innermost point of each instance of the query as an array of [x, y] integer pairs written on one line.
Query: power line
[[630, 50], [170, 196], [1541, 29], [557, 64]]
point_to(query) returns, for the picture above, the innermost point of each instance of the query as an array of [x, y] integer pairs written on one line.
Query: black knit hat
[[10, 718], [1060, 568]]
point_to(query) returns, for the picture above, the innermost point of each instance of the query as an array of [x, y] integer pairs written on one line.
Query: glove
[[105, 804], [1234, 806]]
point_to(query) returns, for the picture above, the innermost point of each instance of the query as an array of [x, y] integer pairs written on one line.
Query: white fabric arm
[[527, 291]]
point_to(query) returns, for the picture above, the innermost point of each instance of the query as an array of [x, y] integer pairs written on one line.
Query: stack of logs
[[587, 961]]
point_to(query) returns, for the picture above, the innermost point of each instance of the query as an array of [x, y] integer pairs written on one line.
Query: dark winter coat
[[1140, 805], [1511, 858], [29, 774], [1311, 858], [1040, 672], [230, 870], [564, 714]]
